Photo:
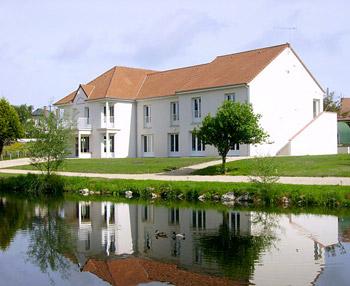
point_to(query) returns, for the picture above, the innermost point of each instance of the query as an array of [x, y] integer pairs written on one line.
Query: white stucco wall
[[125, 113], [161, 124], [283, 94], [124, 129], [320, 137]]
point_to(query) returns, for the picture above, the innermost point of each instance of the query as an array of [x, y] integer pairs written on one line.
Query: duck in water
[[160, 234], [178, 236]]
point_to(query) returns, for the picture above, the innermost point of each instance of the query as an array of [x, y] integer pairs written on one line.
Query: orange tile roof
[[133, 271], [132, 83], [239, 68], [118, 82]]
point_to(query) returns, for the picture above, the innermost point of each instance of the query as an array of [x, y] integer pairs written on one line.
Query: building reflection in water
[[166, 234], [235, 245], [175, 236]]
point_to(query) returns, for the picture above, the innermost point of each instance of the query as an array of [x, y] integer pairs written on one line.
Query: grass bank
[[277, 194], [297, 195], [295, 166], [126, 165]]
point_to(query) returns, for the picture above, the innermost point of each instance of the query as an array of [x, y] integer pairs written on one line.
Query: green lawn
[[298, 166], [126, 165]]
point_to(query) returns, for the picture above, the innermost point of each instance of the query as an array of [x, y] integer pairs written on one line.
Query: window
[[174, 111], [174, 216], [230, 96], [316, 107], [111, 144], [147, 213], [147, 143], [174, 142], [111, 114], [196, 108], [235, 222], [235, 147], [146, 115], [87, 114], [84, 144], [197, 145], [104, 113], [199, 219]]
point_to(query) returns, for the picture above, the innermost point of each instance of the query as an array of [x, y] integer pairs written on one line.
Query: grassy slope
[[298, 195], [127, 165], [298, 166]]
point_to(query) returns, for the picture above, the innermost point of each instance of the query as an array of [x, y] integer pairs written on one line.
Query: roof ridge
[[174, 69], [101, 75], [133, 68], [257, 49], [110, 81], [141, 85]]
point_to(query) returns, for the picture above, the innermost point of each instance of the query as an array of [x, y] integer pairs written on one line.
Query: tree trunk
[[1, 146], [223, 165]]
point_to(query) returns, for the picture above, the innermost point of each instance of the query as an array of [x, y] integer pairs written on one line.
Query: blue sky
[[48, 47]]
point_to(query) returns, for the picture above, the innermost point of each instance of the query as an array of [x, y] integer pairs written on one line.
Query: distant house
[[130, 112]]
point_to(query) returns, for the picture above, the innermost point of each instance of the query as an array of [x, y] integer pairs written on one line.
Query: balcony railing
[[108, 123], [84, 123]]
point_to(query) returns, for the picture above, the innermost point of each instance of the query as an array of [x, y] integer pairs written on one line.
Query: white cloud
[[47, 48]]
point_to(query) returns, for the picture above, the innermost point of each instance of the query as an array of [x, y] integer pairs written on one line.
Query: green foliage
[[52, 145], [13, 216], [237, 253], [33, 185], [24, 112], [264, 172], [330, 103], [10, 126], [50, 240], [234, 123]]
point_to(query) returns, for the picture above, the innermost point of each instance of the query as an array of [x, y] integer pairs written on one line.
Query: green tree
[[53, 141], [10, 125], [24, 112], [330, 103], [234, 123]]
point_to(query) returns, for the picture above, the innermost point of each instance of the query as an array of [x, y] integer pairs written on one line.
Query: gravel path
[[225, 179], [182, 174]]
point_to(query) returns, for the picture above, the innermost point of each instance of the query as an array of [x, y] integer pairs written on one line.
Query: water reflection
[[129, 244]]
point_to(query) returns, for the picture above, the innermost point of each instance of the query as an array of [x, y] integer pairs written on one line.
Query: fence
[[6, 155]]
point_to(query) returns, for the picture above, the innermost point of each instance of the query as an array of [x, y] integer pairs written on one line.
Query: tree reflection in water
[[236, 253], [50, 242], [13, 217], [50, 239]]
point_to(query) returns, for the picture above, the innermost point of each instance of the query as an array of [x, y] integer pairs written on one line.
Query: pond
[[101, 243]]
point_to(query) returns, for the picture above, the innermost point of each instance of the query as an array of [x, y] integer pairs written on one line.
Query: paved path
[[227, 179], [15, 162], [182, 174]]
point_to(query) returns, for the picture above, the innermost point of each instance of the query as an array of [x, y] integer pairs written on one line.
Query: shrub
[[33, 185]]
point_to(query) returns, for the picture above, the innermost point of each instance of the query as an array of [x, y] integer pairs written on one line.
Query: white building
[[128, 112]]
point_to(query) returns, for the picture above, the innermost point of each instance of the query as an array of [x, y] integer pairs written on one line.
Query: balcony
[[108, 123], [84, 123]]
